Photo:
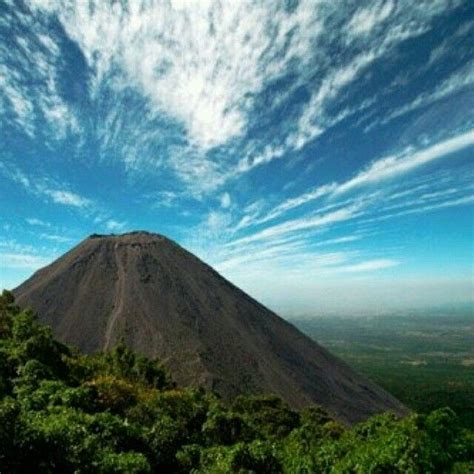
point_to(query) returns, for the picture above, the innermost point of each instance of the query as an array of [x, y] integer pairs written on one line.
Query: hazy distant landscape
[[424, 358]]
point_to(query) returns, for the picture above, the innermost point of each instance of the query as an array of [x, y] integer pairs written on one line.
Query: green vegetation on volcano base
[[61, 411], [425, 359]]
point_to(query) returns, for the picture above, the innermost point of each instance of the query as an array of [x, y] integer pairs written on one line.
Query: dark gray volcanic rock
[[167, 303]]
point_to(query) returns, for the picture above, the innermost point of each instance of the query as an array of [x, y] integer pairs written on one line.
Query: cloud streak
[[303, 223], [392, 166], [13, 260], [66, 198], [46, 188]]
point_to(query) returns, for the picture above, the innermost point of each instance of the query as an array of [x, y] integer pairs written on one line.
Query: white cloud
[[37, 222], [225, 200], [44, 187], [312, 122], [365, 19], [409, 21], [261, 255], [36, 98], [292, 203], [19, 102], [13, 246], [423, 208], [458, 81], [289, 272], [199, 62], [368, 266], [303, 223], [21, 260], [14, 174], [339, 240], [115, 226], [60, 239], [251, 161], [67, 198], [166, 198], [389, 167], [216, 224], [445, 48]]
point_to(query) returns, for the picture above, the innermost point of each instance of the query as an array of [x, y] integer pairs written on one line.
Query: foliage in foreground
[[61, 411]]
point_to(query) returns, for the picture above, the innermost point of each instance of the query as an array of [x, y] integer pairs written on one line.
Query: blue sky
[[319, 154]]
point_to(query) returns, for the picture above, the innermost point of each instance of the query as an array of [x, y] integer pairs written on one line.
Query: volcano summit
[[167, 303]]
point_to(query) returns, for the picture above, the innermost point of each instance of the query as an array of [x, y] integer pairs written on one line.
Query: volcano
[[166, 303]]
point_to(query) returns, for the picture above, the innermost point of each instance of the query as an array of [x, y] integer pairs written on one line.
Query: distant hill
[[165, 302]]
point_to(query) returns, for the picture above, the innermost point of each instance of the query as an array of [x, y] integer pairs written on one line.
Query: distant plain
[[424, 358]]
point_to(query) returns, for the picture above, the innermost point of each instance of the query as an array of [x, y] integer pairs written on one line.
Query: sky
[[318, 154]]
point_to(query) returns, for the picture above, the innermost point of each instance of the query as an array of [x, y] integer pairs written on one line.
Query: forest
[[62, 411], [424, 357]]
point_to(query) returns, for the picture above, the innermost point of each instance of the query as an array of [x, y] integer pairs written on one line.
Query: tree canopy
[[62, 411]]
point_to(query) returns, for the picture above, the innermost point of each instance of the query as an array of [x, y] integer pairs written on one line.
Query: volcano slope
[[167, 304]]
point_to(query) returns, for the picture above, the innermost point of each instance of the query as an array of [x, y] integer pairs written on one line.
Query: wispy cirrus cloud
[[365, 19], [303, 223], [313, 122], [44, 187], [204, 62], [339, 240], [459, 81], [389, 167], [374, 194], [21, 260], [113, 225], [184, 81], [66, 198], [423, 207], [369, 265], [380, 170], [376, 28], [38, 101], [293, 203], [14, 254], [59, 239], [37, 222]]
